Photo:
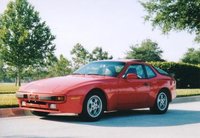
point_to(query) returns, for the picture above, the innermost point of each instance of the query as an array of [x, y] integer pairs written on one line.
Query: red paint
[[120, 92]]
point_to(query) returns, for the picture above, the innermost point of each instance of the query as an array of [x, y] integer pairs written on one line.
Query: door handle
[[146, 84]]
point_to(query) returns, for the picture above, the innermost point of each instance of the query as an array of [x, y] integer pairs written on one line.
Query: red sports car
[[101, 86]]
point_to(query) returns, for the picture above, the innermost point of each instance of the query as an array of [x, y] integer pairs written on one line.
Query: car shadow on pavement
[[136, 118]]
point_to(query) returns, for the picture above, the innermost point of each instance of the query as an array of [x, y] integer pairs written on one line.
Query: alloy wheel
[[94, 106], [162, 101]]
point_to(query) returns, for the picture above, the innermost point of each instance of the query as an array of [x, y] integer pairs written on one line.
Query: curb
[[186, 99], [14, 112]]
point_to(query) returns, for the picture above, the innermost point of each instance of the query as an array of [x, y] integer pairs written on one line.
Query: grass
[[8, 99], [187, 92], [7, 95], [8, 88]]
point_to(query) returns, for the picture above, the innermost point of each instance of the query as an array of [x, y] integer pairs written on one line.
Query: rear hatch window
[[161, 71]]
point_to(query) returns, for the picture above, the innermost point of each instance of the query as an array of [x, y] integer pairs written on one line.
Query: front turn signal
[[58, 98]]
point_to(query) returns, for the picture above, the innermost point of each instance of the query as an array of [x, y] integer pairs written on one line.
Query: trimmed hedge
[[186, 75]]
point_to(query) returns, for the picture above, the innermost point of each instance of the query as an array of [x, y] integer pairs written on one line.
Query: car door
[[133, 93]]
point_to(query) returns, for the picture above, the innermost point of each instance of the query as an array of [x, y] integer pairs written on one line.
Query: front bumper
[[48, 103]]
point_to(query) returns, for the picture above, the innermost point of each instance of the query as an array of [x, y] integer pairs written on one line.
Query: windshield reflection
[[103, 68]]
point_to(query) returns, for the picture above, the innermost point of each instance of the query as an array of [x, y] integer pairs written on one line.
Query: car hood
[[60, 84]]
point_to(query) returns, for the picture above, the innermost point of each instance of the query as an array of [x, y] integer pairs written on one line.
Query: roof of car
[[125, 60]]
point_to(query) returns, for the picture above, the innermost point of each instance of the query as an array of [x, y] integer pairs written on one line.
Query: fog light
[[52, 106], [23, 103]]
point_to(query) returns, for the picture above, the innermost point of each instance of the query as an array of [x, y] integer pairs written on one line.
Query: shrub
[[186, 75]]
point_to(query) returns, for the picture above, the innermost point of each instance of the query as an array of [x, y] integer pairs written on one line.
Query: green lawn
[[8, 88], [187, 92], [7, 95], [8, 99]]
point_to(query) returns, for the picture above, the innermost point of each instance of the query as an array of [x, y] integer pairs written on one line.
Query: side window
[[150, 72], [136, 69]]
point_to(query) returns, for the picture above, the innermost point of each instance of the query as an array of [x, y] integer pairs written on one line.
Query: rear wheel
[[161, 103], [93, 107], [37, 113]]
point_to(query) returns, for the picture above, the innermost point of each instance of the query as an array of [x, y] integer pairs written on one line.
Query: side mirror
[[131, 76]]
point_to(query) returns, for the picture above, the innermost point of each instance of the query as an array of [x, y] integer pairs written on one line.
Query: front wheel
[[93, 107], [161, 103], [37, 113]]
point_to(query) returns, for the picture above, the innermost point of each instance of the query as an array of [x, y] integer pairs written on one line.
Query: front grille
[[36, 102], [37, 105]]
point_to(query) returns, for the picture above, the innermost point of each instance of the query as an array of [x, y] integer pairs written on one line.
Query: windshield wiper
[[88, 74], [95, 74], [92, 74], [77, 74]]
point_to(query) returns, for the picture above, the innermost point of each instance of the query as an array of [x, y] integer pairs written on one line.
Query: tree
[[2, 73], [34, 73], [80, 56], [192, 56], [60, 68], [24, 40], [147, 50], [174, 15], [10, 74], [99, 54]]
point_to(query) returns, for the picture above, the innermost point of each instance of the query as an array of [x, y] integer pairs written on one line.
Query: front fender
[[78, 95]]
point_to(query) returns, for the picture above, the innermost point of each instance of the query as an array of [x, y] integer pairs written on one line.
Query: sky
[[114, 25]]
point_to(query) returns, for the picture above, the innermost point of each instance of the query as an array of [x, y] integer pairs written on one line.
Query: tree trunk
[[18, 79], [15, 80]]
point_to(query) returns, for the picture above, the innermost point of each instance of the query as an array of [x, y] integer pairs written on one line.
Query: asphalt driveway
[[182, 121]]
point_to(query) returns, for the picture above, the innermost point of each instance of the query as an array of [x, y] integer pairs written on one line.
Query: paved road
[[181, 121]]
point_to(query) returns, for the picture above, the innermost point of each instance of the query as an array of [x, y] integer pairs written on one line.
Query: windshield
[[104, 68]]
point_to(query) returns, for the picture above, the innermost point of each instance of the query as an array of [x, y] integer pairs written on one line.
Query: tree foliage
[[174, 15], [34, 73], [147, 50], [24, 40], [80, 56], [99, 54], [61, 67], [2, 72], [192, 56]]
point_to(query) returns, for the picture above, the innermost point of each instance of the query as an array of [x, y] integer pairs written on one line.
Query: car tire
[[93, 107], [161, 104], [37, 113]]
